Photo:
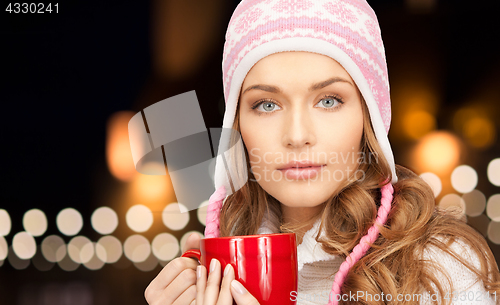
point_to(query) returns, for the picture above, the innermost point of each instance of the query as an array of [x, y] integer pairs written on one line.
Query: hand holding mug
[[213, 292], [264, 267]]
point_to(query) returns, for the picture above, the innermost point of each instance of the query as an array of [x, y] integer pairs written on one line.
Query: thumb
[[192, 242]]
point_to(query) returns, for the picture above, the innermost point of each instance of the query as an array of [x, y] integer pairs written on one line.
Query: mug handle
[[193, 253]]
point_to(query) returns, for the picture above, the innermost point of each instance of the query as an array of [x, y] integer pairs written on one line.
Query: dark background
[[63, 75]]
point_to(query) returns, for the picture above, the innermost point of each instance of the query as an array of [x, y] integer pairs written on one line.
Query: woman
[[306, 85]]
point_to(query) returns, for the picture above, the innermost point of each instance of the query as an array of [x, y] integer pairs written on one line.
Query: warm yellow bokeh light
[[475, 203], [5, 223], [479, 132], [417, 124], [69, 221], [494, 232], [137, 248], [109, 249], [464, 179], [493, 172], [75, 247], [24, 245], [53, 248], [118, 151], [438, 152], [476, 126], [139, 218], [35, 222], [4, 248], [151, 187], [433, 181]]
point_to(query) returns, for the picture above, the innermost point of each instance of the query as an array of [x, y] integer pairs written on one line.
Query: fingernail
[[238, 287], [198, 272], [226, 270], [213, 262]]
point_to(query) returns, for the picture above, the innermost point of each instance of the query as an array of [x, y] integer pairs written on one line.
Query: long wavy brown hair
[[394, 264]]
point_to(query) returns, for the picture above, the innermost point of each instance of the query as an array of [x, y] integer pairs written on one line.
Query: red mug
[[266, 264]]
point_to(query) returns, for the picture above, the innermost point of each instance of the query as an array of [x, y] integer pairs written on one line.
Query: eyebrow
[[316, 86], [327, 82]]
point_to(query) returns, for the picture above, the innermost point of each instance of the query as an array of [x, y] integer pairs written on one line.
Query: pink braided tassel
[[364, 243], [214, 207]]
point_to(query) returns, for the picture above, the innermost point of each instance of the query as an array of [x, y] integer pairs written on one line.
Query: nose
[[298, 129]]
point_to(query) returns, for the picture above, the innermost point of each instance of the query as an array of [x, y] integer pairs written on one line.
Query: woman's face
[[301, 120]]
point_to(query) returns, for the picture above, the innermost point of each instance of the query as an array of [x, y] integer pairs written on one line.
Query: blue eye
[[329, 102], [267, 106]]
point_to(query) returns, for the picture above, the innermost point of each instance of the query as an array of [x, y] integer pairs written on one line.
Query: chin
[[300, 194]]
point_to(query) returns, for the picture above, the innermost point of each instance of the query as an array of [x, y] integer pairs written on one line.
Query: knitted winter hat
[[345, 30]]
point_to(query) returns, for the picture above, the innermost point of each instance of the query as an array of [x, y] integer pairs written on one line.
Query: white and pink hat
[[345, 30]]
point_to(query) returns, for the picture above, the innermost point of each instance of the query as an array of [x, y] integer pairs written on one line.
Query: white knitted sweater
[[317, 270]]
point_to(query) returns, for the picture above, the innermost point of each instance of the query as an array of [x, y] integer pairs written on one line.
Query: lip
[[300, 164], [303, 169]]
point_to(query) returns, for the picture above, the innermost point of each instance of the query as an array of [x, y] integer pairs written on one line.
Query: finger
[[180, 285], [192, 242], [241, 295], [201, 284], [187, 297], [225, 297], [167, 275], [213, 283]]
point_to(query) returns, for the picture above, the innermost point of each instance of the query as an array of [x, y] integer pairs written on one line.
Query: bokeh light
[[40, 263], [186, 235], [4, 248], [475, 203], [175, 216], [109, 249], [476, 126], [493, 208], [118, 152], [24, 245], [16, 262], [494, 232], [67, 264], [69, 221], [165, 246], [479, 132], [75, 246], [479, 223], [202, 212], [137, 248], [494, 172], [452, 201], [90, 259], [5, 223], [152, 187], [148, 264], [433, 181], [139, 218], [35, 222], [104, 220], [87, 252], [464, 179], [417, 124], [53, 248], [438, 152]]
